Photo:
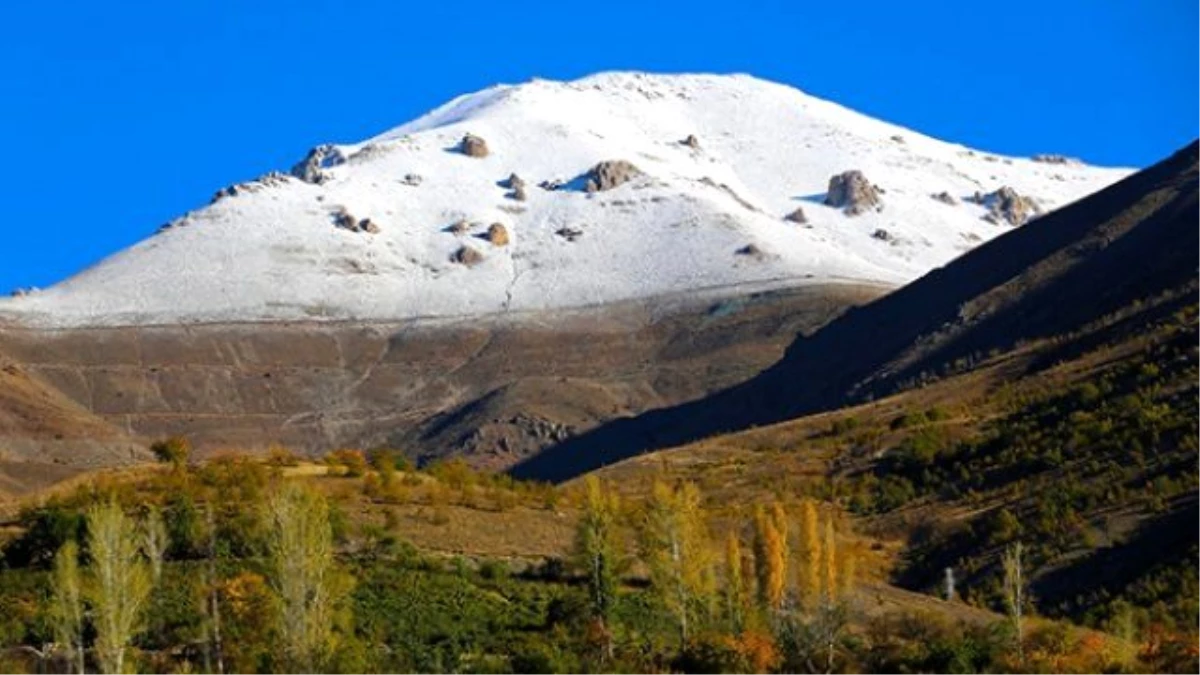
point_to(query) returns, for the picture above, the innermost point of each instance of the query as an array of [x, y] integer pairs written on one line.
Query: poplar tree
[[118, 582], [735, 584], [770, 561], [598, 551], [301, 573], [154, 542], [1014, 593], [808, 557], [66, 604], [829, 566], [675, 545]]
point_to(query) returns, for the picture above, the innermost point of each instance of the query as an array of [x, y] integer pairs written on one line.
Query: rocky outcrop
[[853, 193], [347, 221], [516, 186], [1055, 159], [569, 233], [610, 174], [466, 255], [271, 179], [497, 234], [312, 168], [797, 216], [1007, 206], [473, 146], [945, 198]]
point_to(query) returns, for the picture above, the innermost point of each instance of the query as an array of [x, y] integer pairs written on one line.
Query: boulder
[[459, 227], [1007, 206], [751, 250], [882, 235], [473, 146], [466, 255], [412, 179], [311, 168], [347, 221], [569, 233], [797, 216], [691, 141], [497, 234], [609, 174], [853, 193], [945, 198], [516, 185]]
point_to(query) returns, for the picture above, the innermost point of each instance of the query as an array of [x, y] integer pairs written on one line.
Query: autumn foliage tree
[[675, 547], [598, 552]]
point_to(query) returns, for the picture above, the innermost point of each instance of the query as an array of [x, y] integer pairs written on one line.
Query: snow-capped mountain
[[703, 181]]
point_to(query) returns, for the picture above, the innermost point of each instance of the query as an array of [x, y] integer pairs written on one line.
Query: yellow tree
[[118, 582], [770, 560], [301, 575], [66, 603], [808, 558], [829, 569], [676, 549], [598, 552], [735, 584]]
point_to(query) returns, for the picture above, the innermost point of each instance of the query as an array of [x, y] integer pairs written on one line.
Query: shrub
[[174, 450]]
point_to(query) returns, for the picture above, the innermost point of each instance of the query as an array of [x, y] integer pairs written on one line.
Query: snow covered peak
[[714, 182]]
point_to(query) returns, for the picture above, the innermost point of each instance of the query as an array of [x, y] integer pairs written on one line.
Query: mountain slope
[[705, 212], [1101, 256]]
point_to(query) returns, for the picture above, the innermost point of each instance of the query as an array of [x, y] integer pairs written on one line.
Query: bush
[[347, 462], [174, 450]]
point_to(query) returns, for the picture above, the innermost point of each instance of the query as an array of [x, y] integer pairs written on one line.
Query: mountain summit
[[556, 195]]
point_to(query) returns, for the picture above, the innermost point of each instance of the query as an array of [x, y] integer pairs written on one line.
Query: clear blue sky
[[121, 115]]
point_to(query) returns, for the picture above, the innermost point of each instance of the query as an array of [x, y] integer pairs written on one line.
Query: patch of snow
[[764, 149]]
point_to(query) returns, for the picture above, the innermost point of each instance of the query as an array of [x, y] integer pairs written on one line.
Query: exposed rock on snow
[[468, 256], [271, 179], [473, 146], [751, 250], [691, 141], [882, 235], [516, 185], [412, 179], [1055, 159], [569, 233], [853, 193], [945, 198], [311, 169], [459, 227], [497, 234], [610, 174], [797, 216], [347, 221], [1006, 205]]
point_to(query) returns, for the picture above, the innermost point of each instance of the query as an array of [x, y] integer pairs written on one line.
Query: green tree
[[66, 603], [301, 573], [118, 582]]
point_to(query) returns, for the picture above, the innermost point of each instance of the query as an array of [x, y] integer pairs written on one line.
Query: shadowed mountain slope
[[1095, 258]]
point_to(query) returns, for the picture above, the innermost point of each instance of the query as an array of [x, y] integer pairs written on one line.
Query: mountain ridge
[[359, 231]]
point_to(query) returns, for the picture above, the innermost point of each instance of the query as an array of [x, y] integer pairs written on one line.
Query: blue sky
[[121, 115]]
